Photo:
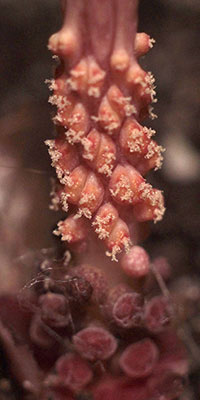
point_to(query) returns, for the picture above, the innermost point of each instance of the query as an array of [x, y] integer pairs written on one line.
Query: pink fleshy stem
[[102, 152], [107, 327]]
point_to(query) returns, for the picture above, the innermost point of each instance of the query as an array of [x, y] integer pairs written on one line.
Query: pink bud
[[119, 239], [91, 195], [139, 359], [74, 371], [128, 310], [143, 43], [113, 295], [136, 262], [95, 343], [78, 124], [72, 230], [125, 185], [75, 184], [134, 139], [151, 205], [54, 310], [108, 117]]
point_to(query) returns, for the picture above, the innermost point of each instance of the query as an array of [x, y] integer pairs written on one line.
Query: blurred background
[[26, 222]]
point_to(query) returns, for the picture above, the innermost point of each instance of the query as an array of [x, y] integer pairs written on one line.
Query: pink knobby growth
[[95, 343], [73, 371], [139, 359], [128, 310], [102, 151], [101, 336], [136, 262]]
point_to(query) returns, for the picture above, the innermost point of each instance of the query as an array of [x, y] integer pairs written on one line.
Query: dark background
[[25, 220], [25, 26]]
